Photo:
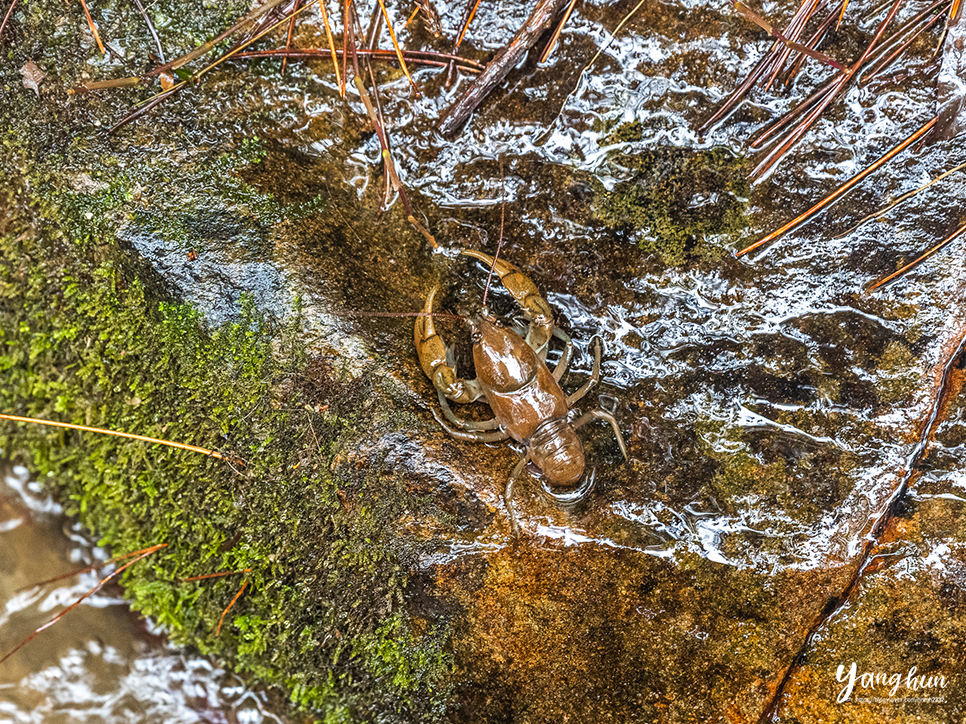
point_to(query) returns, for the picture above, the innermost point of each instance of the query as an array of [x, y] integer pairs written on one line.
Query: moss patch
[[898, 374], [680, 203], [82, 339]]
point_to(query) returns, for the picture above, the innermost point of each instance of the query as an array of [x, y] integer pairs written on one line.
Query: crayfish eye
[[476, 337]]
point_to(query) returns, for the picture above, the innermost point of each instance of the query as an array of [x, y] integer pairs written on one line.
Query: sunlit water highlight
[[100, 664]]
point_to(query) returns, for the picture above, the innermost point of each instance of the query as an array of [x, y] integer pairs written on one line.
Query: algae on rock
[[681, 203]]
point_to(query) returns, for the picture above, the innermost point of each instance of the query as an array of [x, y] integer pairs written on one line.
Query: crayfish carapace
[[527, 401]]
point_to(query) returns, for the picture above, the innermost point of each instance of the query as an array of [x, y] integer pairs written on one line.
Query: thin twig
[[198, 52], [817, 37], [768, 62], [883, 59], [208, 46], [143, 109]]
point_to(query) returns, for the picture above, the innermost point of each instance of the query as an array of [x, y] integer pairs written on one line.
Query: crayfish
[[527, 401]]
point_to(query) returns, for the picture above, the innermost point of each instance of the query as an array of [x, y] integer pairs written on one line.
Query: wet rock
[[216, 261]]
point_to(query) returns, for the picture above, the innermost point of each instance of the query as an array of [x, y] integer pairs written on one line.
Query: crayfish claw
[[527, 296], [436, 358]]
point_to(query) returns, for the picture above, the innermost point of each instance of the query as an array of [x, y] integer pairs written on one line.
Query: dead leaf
[[32, 76]]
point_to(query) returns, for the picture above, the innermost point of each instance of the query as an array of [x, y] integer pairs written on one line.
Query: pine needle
[[395, 44], [144, 553], [228, 608], [128, 435], [895, 202], [328, 35], [918, 260], [215, 575], [90, 21], [841, 190], [6, 17]]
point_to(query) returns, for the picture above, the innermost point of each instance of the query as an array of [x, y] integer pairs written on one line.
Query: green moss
[[898, 374], [743, 475], [82, 339], [681, 204]]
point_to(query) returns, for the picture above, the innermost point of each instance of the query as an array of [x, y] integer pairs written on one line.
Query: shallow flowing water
[[101, 664]]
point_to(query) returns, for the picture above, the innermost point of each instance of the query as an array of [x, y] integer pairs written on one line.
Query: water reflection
[[101, 663]]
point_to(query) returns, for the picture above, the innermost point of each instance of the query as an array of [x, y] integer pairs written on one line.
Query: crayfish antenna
[[499, 242]]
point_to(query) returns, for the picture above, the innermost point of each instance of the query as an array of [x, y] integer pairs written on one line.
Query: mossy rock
[[304, 506], [679, 203]]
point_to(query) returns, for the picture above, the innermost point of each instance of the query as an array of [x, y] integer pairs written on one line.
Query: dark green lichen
[[679, 203]]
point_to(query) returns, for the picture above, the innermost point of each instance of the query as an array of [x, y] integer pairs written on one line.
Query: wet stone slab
[[769, 404]]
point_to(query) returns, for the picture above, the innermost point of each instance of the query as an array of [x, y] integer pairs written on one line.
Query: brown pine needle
[[841, 190], [552, 43], [418, 57], [748, 14], [895, 202], [839, 82], [80, 571], [328, 35], [215, 575], [412, 17], [911, 33], [245, 23], [6, 17], [842, 14], [130, 436], [153, 101], [90, 21], [144, 553], [395, 44], [466, 26], [225, 612], [288, 37], [424, 231], [346, 26], [241, 46], [918, 260], [620, 26]]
